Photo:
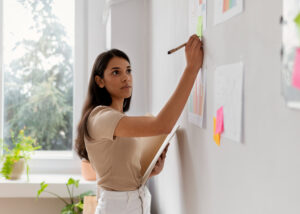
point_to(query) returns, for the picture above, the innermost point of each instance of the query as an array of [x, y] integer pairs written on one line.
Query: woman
[[108, 138]]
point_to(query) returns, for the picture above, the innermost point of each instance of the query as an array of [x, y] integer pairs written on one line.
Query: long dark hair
[[97, 96]]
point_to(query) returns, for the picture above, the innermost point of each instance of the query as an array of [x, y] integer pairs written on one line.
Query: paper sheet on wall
[[228, 92], [197, 100], [290, 44], [226, 9], [197, 8]]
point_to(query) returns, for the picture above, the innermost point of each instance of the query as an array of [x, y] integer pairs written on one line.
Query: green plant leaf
[[71, 181], [43, 187], [79, 205], [77, 183], [24, 146], [74, 182], [7, 166], [69, 209]]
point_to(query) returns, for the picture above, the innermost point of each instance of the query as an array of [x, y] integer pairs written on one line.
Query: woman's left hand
[[160, 163]]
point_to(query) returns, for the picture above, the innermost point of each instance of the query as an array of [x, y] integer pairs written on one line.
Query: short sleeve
[[103, 121]]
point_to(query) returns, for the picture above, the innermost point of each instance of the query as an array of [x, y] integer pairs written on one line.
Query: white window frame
[[1, 69], [86, 34]]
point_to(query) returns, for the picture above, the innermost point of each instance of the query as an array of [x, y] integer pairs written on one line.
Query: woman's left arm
[[160, 163]]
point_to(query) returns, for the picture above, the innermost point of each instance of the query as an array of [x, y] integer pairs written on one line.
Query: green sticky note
[[297, 20], [199, 26]]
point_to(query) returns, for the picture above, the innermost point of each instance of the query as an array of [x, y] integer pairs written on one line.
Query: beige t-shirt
[[116, 160]]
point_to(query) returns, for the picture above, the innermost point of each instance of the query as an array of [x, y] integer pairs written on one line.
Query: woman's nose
[[125, 77]]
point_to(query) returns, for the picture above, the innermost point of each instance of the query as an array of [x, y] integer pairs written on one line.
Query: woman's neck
[[117, 105]]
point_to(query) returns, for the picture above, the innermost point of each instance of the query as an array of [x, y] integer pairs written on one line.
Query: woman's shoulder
[[102, 121], [99, 109], [102, 110]]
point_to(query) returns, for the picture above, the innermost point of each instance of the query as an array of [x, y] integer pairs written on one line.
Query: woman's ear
[[99, 81]]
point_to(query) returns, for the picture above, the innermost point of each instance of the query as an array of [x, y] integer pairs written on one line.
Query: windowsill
[[56, 184], [50, 155]]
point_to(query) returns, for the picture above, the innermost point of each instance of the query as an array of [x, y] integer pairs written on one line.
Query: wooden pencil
[[176, 49]]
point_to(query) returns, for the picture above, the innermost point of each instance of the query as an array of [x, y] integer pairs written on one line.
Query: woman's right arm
[[163, 123]]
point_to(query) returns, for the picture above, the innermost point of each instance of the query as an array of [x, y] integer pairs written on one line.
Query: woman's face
[[117, 78]]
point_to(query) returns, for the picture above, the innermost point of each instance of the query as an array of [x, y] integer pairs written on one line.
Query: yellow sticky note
[[199, 26], [216, 136], [218, 139]]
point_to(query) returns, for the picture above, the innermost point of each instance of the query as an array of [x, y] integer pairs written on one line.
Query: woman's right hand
[[194, 53]]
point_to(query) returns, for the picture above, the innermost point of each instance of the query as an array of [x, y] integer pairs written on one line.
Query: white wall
[[260, 175], [169, 27], [129, 34]]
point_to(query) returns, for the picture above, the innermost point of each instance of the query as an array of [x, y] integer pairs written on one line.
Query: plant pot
[[87, 171], [18, 169]]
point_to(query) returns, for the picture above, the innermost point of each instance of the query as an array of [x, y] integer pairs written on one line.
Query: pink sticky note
[[296, 74], [220, 121]]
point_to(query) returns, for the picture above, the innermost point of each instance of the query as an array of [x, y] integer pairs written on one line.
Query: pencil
[[176, 49]]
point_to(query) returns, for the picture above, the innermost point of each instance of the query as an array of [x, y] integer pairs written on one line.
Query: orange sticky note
[[216, 136], [296, 74], [218, 139]]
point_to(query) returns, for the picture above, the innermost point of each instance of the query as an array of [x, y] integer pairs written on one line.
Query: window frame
[[64, 162], [1, 79]]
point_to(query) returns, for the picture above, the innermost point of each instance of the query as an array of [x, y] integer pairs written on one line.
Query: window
[[38, 61], [43, 60], [86, 40]]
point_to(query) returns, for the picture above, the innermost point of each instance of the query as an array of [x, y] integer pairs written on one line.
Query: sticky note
[[220, 121], [218, 139], [216, 136], [199, 26], [226, 4], [296, 73], [297, 20]]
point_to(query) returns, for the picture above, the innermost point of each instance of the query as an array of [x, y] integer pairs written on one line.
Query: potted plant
[[75, 203], [16, 159]]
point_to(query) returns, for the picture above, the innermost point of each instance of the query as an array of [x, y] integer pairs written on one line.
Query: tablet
[[158, 154]]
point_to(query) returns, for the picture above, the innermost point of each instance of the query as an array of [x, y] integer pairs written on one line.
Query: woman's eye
[[115, 72], [129, 71]]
